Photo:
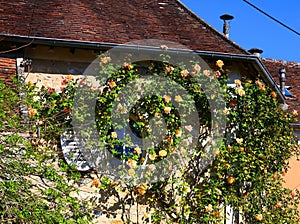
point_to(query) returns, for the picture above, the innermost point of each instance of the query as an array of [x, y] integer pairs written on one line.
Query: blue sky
[[250, 28]]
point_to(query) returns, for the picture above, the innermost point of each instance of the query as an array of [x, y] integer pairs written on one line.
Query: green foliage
[[246, 174], [32, 187]]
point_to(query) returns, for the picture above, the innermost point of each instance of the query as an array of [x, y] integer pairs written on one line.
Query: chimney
[[255, 51], [282, 79], [226, 18]]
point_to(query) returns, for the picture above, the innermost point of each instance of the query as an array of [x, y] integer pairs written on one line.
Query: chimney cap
[[226, 17], [255, 50]]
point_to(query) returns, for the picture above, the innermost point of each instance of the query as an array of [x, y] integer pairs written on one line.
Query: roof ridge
[[283, 62], [212, 28]]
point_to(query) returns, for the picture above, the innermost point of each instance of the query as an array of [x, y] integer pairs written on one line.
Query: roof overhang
[[254, 60]]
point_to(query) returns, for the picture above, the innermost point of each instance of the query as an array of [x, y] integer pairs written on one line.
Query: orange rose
[[259, 217], [167, 110], [32, 112], [230, 180], [112, 84]]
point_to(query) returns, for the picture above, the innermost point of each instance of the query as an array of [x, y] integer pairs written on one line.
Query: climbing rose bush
[[246, 174]]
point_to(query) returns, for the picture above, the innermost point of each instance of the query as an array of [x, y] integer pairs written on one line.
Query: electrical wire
[[271, 17]]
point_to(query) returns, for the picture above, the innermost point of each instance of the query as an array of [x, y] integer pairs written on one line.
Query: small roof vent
[[226, 18], [256, 51]]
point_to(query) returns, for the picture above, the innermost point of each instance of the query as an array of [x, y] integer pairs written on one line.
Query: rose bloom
[[50, 90], [230, 180], [32, 112], [128, 66], [273, 94], [29, 83], [241, 92], [239, 140], [178, 98], [259, 217], [169, 69], [206, 72], [151, 167], [217, 73], [216, 152], [184, 73], [142, 189], [219, 63], [95, 182], [152, 156], [278, 205], [137, 150], [164, 47], [162, 153], [114, 134], [295, 113], [197, 68], [105, 60], [167, 110], [208, 208], [131, 172], [167, 98], [112, 84], [261, 85], [157, 114], [131, 163], [178, 133], [237, 82], [69, 78]]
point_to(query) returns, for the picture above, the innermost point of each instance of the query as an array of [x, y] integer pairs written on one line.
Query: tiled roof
[[292, 80], [112, 21]]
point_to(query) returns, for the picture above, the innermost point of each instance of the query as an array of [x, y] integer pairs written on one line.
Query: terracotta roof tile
[[292, 80], [112, 21]]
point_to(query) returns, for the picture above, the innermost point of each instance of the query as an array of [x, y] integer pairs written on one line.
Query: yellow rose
[[178, 98], [237, 82], [131, 172], [239, 140], [162, 153], [219, 63], [142, 188], [114, 134], [208, 208], [137, 150], [241, 92], [152, 156], [105, 60], [295, 113]]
